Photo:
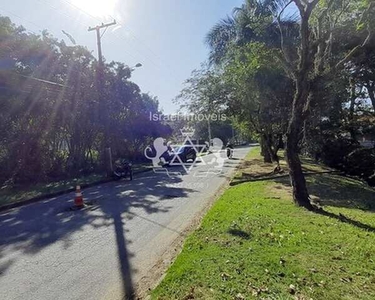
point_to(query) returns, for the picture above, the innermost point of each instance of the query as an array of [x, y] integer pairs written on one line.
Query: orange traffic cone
[[78, 200]]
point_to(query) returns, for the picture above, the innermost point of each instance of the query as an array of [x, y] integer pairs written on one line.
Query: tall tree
[[312, 63], [260, 94], [308, 47]]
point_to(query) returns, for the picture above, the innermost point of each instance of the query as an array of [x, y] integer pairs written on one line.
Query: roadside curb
[[56, 194], [158, 270]]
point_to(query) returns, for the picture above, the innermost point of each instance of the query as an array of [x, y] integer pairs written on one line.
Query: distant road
[[122, 241]]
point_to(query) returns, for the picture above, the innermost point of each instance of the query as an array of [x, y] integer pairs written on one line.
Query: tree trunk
[[264, 151], [272, 151], [297, 178], [353, 97], [300, 107], [276, 160], [371, 93]]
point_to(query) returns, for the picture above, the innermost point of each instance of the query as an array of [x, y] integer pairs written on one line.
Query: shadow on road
[[30, 229]]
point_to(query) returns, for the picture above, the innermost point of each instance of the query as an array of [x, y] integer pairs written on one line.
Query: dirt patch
[[284, 191], [255, 169]]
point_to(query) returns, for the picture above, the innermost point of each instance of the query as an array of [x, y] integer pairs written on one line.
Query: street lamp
[[138, 65]]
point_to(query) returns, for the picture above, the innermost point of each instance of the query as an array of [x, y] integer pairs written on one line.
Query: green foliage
[[262, 61], [335, 150], [205, 95], [259, 88], [348, 156], [52, 121], [361, 163], [251, 22]]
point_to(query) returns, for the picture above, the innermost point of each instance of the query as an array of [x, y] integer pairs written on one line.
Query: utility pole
[[99, 37], [209, 130], [103, 108]]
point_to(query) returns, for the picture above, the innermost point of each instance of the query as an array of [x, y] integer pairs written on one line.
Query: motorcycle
[[229, 153], [123, 169]]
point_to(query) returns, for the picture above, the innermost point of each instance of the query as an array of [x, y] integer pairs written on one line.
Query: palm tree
[[220, 37], [253, 21]]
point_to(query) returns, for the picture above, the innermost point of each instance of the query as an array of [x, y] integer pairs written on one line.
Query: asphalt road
[[111, 247]]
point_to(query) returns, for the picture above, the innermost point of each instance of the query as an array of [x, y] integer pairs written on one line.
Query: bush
[[348, 156], [335, 151], [361, 163]]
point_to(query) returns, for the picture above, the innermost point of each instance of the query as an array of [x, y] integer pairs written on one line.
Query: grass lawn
[[255, 244], [20, 193]]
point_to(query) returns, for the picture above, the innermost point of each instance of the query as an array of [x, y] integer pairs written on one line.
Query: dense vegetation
[[54, 123], [299, 75]]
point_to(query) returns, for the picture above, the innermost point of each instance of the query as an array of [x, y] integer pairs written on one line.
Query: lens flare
[[97, 8]]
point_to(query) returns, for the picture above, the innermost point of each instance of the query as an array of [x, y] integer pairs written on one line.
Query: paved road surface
[[50, 253]]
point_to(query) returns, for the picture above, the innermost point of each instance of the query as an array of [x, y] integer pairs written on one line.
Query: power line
[[171, 77], [80, 22], [148, 48], [43, 81], [98, 19], [54, 8], [168, 68], [118, 33], [67, 16], [59, 11], [23, 19]]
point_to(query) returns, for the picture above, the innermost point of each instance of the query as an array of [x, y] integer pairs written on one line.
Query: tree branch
[[365, 42], [287, 59]]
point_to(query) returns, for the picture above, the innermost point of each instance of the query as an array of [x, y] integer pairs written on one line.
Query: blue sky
[[166, 36]]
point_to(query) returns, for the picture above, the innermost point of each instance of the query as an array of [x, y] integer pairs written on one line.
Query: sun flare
[[97, 8]]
